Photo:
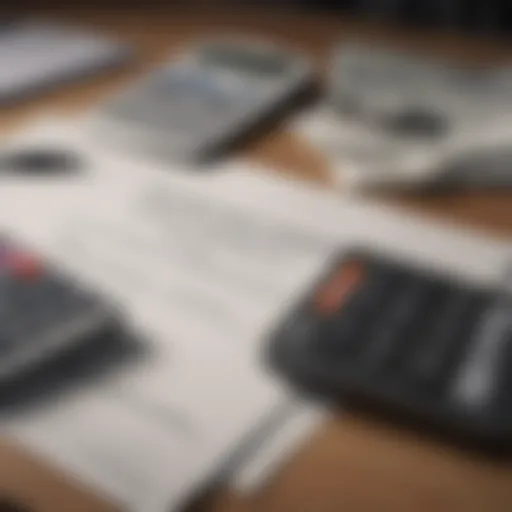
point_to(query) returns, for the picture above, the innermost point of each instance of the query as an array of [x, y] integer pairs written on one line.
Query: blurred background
[[458, 31], [492, 16]]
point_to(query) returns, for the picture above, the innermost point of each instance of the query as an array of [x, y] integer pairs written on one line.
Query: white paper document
[[362, 156]]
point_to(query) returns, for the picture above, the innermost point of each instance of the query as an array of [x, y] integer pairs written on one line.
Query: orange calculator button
[[26, 267], [338, 288]]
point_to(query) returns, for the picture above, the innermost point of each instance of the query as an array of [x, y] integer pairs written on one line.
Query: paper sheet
[[361, 157]]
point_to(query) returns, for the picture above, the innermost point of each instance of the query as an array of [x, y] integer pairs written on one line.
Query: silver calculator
[[199, 103]]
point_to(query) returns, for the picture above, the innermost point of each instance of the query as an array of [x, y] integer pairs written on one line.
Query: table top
[[353, 463]]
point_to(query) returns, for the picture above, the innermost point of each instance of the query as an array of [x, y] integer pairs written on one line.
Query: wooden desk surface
[[352, 464]]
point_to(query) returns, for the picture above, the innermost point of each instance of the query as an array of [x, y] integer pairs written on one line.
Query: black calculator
[[403, 339], [44, 312]]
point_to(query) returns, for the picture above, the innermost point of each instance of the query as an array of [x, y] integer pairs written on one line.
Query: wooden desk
[[352, 464]]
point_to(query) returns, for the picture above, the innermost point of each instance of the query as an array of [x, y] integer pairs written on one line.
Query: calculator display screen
[[251, 62]]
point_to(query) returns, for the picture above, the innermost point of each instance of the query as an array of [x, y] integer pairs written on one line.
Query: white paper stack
[[363, 157]]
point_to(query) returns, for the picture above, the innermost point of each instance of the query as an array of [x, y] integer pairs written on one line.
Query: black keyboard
[[43, 312], [428, 345]]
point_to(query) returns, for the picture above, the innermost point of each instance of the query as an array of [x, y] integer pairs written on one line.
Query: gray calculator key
[[477, 378], [443, 338], [392, 336]]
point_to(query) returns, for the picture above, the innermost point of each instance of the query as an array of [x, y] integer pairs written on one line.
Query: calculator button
[[442, 339], [341, 335], [5, 342], [478, 376], [346, 329], [344, 296], [27, 268], [382, 283], [391, 337], [338, 288]]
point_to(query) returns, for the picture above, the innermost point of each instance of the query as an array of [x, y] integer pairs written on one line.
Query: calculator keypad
[[400, 335], [41, 309], [401, 323]]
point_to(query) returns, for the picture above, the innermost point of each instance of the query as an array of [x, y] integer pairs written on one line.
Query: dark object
[[303, 96], [44, 313], [40, 161], [489, 168], [478, 16], [7, 505], [396, 338], [492, 16], [417, 123]]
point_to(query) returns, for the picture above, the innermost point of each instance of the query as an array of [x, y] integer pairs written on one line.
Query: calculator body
[[395, 337], [45, 313], [205, 100]]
